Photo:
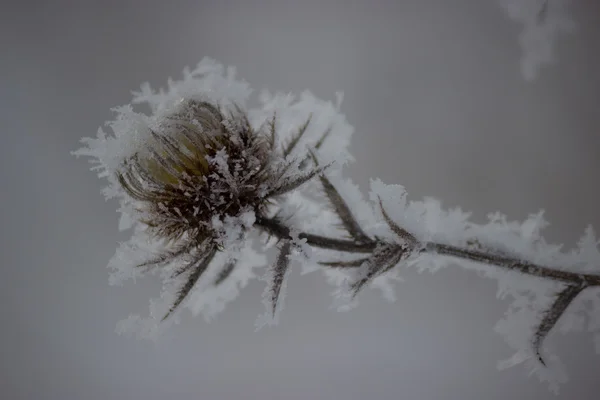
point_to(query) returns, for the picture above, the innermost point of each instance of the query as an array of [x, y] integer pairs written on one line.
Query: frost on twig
[[203, 180], [277, 276], [552, 315], [343, 211], [225, 272], [197, 268]]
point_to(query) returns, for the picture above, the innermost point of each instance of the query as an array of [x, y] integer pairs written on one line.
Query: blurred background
[[439, 104]]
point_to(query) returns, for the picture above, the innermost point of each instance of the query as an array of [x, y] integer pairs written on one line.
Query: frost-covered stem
[[276, 228], [514, 264]]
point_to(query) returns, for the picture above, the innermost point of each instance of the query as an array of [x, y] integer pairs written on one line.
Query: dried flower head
[[205, 177], [203, 164]]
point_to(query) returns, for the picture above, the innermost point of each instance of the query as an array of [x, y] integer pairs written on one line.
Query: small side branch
[[552, 315]]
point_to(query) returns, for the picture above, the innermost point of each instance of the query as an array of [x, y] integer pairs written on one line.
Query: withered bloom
[[205, 177], [203, 163]]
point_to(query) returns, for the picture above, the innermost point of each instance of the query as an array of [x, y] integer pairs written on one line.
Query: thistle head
[[202, 162], [194, 178]]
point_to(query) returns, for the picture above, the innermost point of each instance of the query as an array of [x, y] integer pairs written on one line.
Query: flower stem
[[276, 228], [514, 264]]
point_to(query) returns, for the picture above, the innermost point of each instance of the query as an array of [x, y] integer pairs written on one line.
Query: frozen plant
[[204, 179]]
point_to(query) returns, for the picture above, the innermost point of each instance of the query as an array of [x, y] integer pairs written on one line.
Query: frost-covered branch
[[276, 228], [515, 264], [203, 180], [575, 282]]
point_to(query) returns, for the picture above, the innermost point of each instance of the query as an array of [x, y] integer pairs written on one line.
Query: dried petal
[[199, 269], [383, 259], [296, 138], [400, 232], [278, 273], [225, 272], [293, 183], [343, 211]]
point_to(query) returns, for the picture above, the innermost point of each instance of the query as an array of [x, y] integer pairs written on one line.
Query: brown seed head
[[203, 162]]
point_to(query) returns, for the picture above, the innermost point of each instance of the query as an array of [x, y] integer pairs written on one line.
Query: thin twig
[[275, 228], [514, 264]]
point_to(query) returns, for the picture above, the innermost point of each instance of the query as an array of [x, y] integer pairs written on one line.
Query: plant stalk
[[276, 228]]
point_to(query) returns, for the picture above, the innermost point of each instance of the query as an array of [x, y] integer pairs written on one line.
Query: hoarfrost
[[303, 210]]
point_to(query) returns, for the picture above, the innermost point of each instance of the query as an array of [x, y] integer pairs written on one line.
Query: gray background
[[434, 91]]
